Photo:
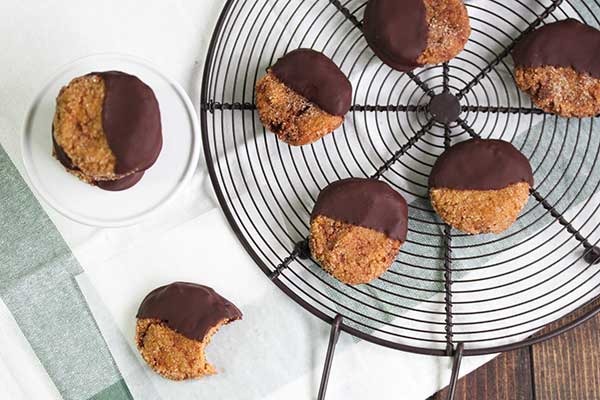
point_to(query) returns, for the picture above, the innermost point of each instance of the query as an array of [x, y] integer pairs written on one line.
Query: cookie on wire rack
[[407, 34], [357, 228], [303, 97], [480, 185], [558, 66], [175, 323]]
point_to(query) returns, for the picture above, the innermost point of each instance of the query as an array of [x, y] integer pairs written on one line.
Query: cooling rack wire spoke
[[213, 106], [467, 128], [348, 14], [498, 59], [301, 251], [448, 256], [504, 110], [389, 108], [446, 76], [592, 253], [411, 142]]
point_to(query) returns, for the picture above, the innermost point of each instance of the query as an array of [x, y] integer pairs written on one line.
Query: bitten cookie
[[407, 34], [107, 129], [303, 97], [480, 186], [558, 66], [175, 323], [357, 228]]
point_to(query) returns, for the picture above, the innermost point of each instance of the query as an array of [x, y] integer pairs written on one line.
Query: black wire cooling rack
[[447, 294]]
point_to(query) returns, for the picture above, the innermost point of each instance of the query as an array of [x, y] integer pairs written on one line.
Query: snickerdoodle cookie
[[107, 129], [357, 228], [558, 66], [303, 97], [407, 34], [480, 185]]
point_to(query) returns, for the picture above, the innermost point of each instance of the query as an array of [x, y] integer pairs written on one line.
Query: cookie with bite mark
[[175, 323]]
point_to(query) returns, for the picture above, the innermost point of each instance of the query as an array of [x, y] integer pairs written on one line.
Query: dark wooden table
[[564, 368]]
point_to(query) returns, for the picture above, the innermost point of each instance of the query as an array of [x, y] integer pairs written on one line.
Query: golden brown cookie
[[556, 66], [171, 354], [350, 253], [407, 34], [480, 186], [107, 129], [78, 129], [303, 97], [480, 211], [175, 323], [561, 91], [448, 30], [357, 228]]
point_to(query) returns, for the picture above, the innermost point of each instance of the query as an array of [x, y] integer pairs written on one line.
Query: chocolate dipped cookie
[[107, 129], [175, 323], [407, 34], [303, 97], [357, 228], [480, 185], [558, 66]]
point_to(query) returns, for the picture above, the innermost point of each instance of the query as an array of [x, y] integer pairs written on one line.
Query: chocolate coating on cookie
[[314, 76], [190, 309], [481, 164], [367, 203], [131, 121], [115, 185], [397, 31], [120, 184], [62, 156], [567, 43]]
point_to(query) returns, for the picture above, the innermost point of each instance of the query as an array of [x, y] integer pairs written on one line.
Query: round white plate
[[93, 206]]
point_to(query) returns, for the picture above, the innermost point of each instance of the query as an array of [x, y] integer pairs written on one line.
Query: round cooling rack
[[447, 294]]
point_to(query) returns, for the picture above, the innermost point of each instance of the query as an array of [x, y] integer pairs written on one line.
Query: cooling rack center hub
[[444, 108]]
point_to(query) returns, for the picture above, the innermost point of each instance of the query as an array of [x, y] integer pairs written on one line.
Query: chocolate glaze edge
[[115, 185], [368, 203], [315, 77], [396, 31], [188, 308], [566, 43], [131, 121], [480, 164]]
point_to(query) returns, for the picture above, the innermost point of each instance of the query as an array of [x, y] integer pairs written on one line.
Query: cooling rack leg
[[458, 355], [333, 339]]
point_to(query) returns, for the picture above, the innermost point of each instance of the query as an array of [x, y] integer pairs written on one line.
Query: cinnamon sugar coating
[[171, 354], [480, 211], [292, 117], [352, 254], [559, 90], [449, 30]]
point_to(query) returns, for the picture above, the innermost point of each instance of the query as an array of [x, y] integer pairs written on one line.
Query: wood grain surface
[[564, 368]]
